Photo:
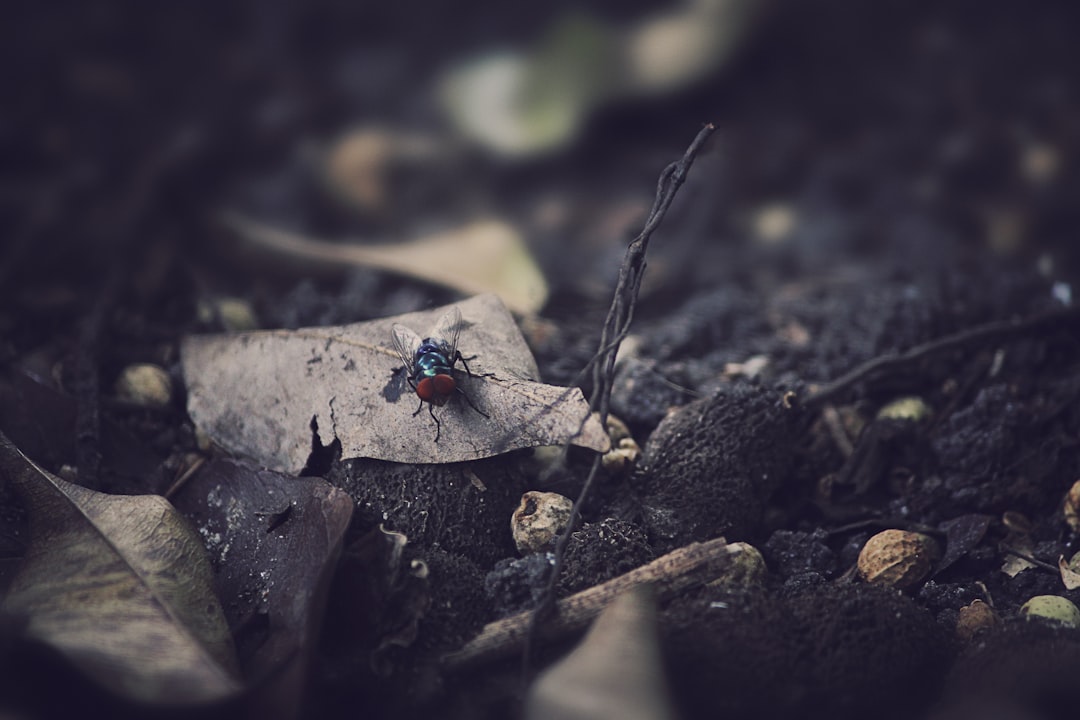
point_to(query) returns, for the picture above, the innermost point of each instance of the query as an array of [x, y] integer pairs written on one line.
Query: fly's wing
[[405, 343], [448, 330]]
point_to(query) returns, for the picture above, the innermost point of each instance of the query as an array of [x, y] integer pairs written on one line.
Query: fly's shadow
[[397, 385]]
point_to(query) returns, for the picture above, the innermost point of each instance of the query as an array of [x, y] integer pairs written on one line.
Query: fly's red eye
[[426, 389], [444, 384]]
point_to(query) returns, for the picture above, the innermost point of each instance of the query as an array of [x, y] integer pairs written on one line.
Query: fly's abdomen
[[435, 383]]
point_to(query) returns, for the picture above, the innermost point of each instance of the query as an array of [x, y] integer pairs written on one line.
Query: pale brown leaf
[[614, 674], [1070, 571], [486, 256], [256, 394]]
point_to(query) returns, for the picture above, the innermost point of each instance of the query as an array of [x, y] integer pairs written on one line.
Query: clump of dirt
[[603, 550], [834, 651], [459, 606], [517, 584], [793, 552], [1028, 666], [711, 465], [437, 505]]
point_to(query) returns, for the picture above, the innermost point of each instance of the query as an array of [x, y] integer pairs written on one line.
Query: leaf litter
[[274, 541], [120, 585], [484, 256], [263, 394]]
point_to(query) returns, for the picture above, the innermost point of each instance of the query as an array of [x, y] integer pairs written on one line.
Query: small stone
[[898, 558], [617, 429], [974, 618], [621, 458], [203, 441], [237, 315], [144, 384], [234, 314], [905, 408], [774, 223], [1053, 608], [539, 520], [624, 452], [747, 569]]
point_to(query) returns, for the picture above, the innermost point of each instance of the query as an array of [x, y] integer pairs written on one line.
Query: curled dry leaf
[[1070, 571], [486, 256], [615, 673], [120, 585], [259, 394]]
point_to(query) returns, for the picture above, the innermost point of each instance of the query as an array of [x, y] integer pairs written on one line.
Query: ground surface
[[883, 176]]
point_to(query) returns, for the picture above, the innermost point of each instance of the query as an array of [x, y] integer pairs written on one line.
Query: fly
[[430, 363]]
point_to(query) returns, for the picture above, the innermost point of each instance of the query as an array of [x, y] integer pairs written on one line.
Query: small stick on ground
[[688, 567]]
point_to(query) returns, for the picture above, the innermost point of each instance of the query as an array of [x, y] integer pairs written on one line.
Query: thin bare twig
[[980, 335], [1028, 557], [616, 326]]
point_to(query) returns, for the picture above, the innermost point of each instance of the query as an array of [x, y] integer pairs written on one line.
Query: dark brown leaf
[[962, 534], [274, 542]]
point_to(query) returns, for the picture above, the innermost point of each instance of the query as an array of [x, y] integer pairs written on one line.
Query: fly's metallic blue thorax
[[432, 359]]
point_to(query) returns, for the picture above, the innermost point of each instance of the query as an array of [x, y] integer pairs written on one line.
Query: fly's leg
[[471, 404], [413, 386], [430, 408], [438, 425], [459, 357]]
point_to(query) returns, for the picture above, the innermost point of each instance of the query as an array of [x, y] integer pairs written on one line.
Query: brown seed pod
[[898, 558]]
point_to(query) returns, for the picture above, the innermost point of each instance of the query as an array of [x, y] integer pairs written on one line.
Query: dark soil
[[927, 156]]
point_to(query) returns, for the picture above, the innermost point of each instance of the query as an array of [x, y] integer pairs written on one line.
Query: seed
[[1053, 608], [898, 558]]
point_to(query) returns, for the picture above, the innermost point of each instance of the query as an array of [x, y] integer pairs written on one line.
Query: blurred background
[[167, 155]]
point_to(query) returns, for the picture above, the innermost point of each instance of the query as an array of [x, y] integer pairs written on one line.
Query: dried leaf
[[486, 256], [962, 535], [1070, 571], [615, 673], [258, 394], [1014, 564], [120, 585], [274, 541]]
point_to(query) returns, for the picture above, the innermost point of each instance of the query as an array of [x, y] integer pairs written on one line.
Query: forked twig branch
[[616, 326]]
